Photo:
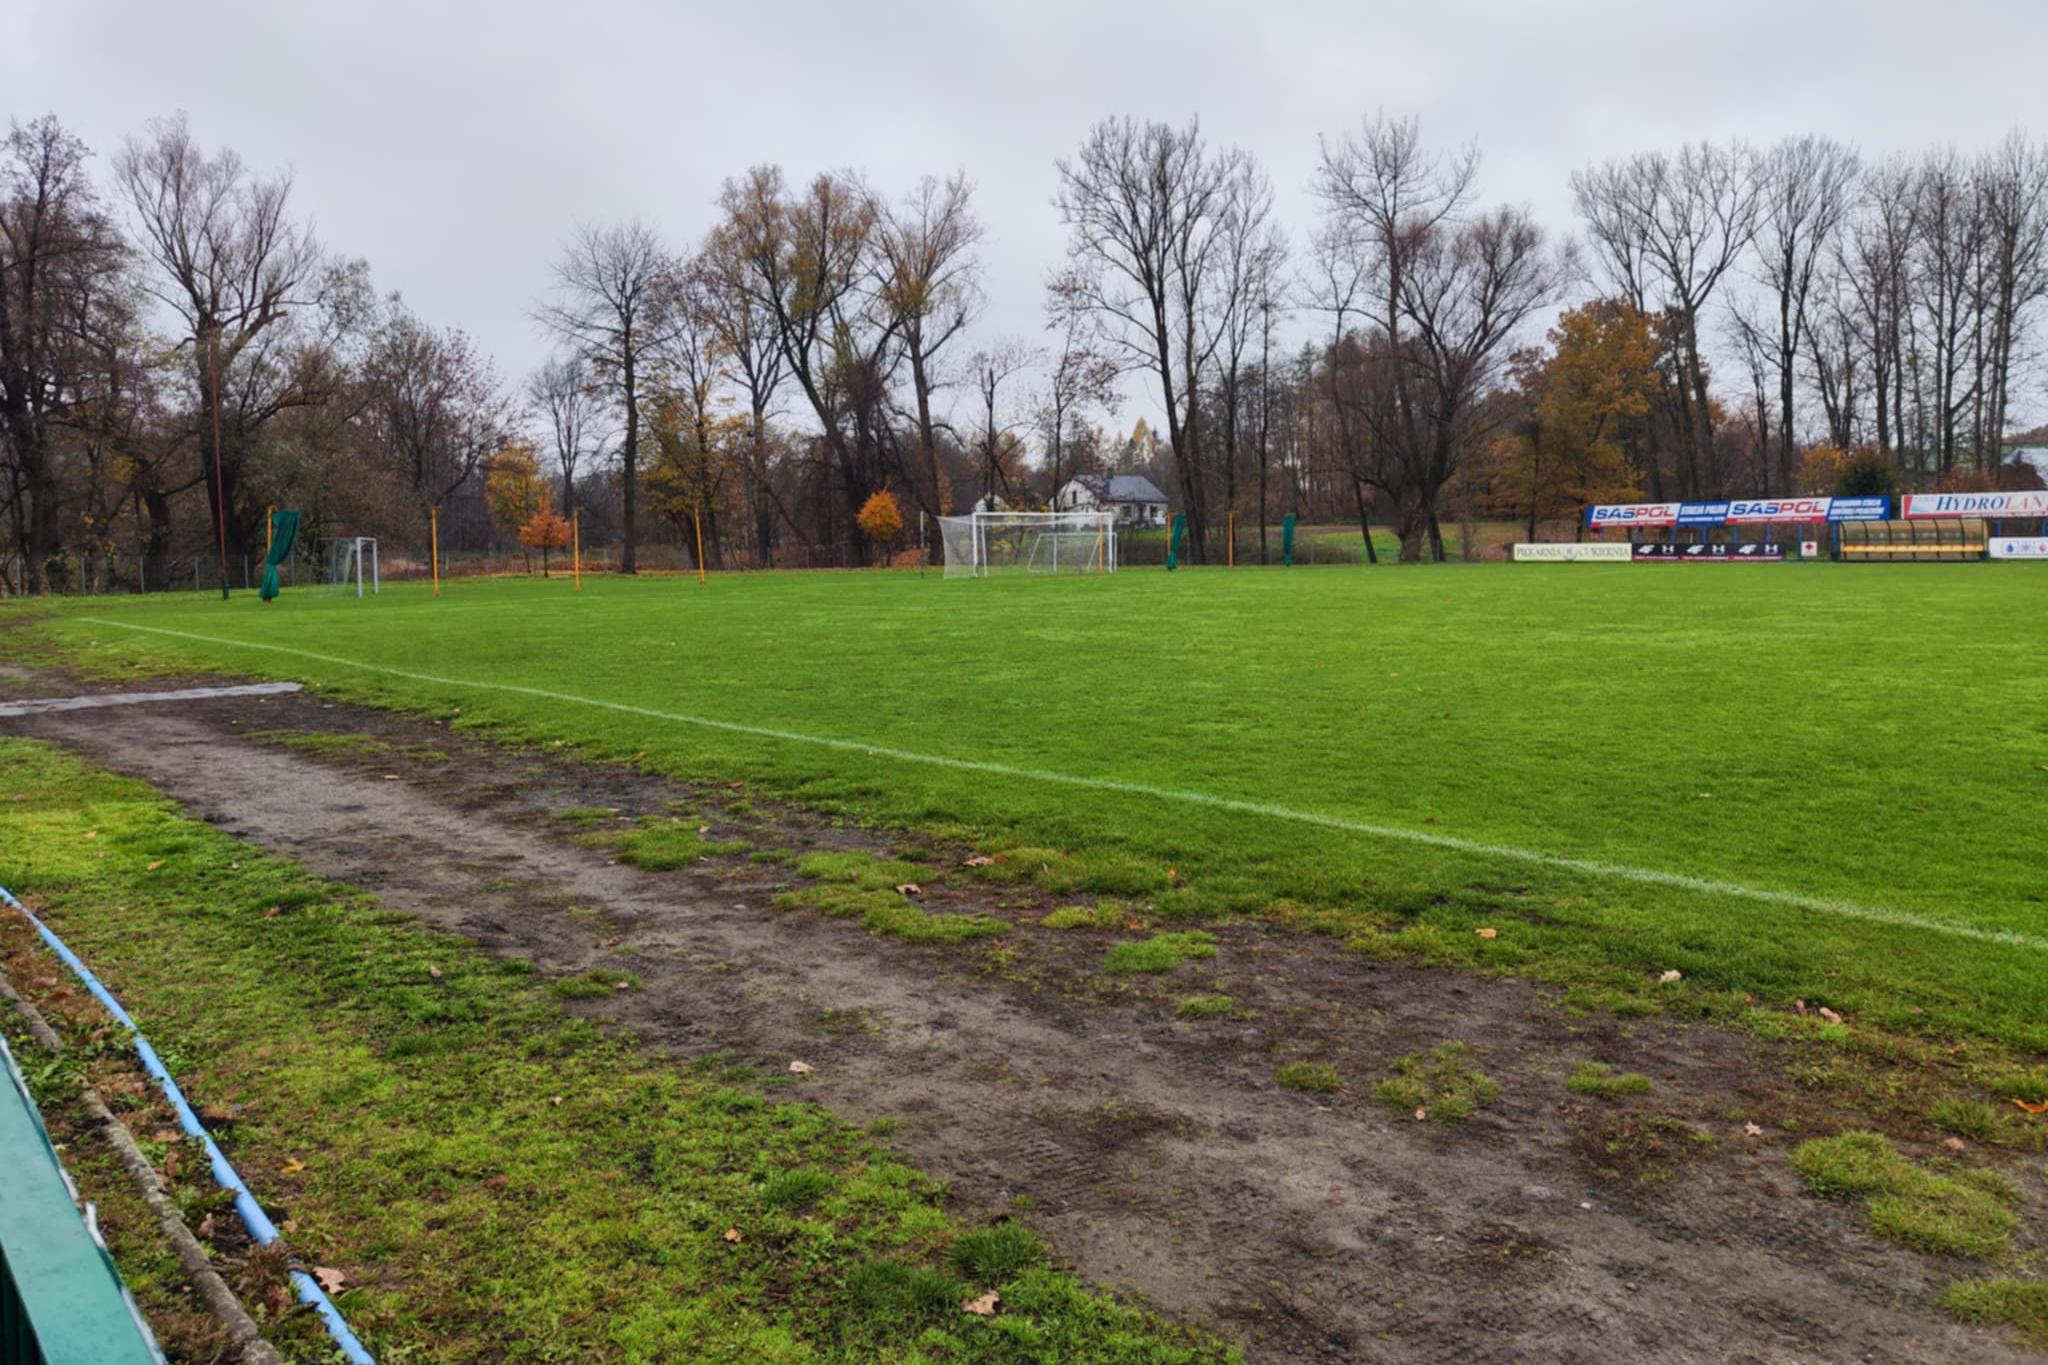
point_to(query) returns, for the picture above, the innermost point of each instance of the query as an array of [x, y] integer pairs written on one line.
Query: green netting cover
[[1287, 539], [1180, 528], [284, 530]]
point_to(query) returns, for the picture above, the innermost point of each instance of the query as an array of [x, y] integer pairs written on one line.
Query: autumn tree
[[880, 519], [514, 489], [433, 403], [545, 530], [1597, 378], [611, 292]]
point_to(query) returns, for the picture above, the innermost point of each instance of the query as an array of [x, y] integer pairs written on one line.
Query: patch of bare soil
[[1156, 1153]]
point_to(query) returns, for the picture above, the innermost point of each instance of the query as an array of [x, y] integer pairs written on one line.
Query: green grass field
[[1858, 756]]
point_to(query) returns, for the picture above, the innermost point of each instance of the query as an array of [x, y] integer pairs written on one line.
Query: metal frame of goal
[[984, 543], [342, 560]]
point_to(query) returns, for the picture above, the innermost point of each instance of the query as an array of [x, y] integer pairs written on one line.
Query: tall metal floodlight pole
[[220, 501]]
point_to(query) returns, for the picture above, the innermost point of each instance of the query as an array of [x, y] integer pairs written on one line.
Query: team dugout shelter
[[1929, 526]]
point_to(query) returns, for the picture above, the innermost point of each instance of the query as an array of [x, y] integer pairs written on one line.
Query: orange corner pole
[[434, 551], [576, 544], [697, 519], [269, 528]]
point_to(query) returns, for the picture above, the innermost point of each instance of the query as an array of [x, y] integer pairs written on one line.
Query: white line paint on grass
[[1644, 876], [37, 705]]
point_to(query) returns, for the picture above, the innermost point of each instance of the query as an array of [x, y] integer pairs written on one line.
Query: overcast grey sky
[[455, 146]]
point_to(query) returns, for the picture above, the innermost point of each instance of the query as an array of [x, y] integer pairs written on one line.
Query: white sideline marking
[[1450, 842], [37, 705]]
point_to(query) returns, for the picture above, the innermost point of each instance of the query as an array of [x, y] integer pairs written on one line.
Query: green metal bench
[[61, 1300]]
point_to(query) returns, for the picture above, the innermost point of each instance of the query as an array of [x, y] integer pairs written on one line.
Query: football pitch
[[1783, 782]]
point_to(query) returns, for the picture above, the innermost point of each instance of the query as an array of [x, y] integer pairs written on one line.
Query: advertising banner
[[1708, 554], [1571, 553], [1702, 513], [1987, 506], [1859, 509], [1625, 514], [2019, 547], [1778, 509]]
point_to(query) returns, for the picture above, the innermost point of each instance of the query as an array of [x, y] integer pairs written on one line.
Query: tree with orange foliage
[[1598, 377], [514, 490], [545, 530], [880, 518]]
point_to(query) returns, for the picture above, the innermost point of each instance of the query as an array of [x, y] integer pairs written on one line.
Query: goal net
[[350, 564], [985, 543]]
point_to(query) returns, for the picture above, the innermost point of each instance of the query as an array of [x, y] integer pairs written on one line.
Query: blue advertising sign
[[1859, 509]]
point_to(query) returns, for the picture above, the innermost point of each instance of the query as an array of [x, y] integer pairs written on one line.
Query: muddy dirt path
[[1156, 1154]]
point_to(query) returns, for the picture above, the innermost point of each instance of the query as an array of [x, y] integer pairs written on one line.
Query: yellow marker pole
[[576, 544], [269, 528], [434, 553], [697, 518]]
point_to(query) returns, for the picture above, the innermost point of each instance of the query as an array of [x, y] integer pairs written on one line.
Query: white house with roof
[[1135, 499]]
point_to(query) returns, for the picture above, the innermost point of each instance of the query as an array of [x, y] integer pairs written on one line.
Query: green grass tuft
[[1444, 1083], [1206, 1007], [1159, 953], [1317, 1078], [989, 1256], [2021, 1303], [863, 870], [1963, 1215], [1107, 915], [1965, 1118], [1597, 1078]]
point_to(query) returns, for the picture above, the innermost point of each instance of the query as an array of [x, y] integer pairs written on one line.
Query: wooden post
[[576, 544], [434, 545], [1230, 555], [697, 519]]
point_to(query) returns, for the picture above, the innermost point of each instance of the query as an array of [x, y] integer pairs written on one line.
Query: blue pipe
[[258, 1222]]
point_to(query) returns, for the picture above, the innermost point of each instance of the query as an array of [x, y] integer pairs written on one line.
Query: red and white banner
[[1633, 514], [1779, 509], [1984, 506]]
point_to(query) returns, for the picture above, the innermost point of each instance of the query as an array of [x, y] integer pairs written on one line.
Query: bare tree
[[2014, 180], [562, 393], [435, 405], [1668, 230], [231, 265], [1251, 252], [994, 367], [1808, 186], [750, 344], [931, 288], [612, 290], [1876, 268], [1142, 203], [58, 258], [1078, 379]]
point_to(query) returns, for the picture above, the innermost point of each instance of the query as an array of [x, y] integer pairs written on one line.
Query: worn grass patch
[[346, 746], [1318, 1078], [496, 1178], [863, 870], [1965, 1214], [1159, 953], [661, 843], [1597, 1078], [1209, 1007], [1106, 915], [2020, 1303], [889, 914], [1444, 1083]]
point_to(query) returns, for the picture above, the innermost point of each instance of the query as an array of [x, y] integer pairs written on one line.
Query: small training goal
[[985, 543], [350, 564]]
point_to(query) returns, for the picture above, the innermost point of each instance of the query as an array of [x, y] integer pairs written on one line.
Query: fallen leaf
[[1752, 1130], [391, 777], [910, 889], [206, 1226], [622, 985], [703, 829], [1421, 1114], [92, 834], [1706, 796], [1673, 975], [434, 972], [1799, 1007], [610, 943], [154, 866], [1134, 925], [554, 1099], [1954, 1144], [2041, 1108], [978, 860], [234, 867], [983, 1307], [1487, 932], [293, 1166], [273, 912], [801, 1068], [331, 1280], [732, 1234], [1830, 1015], [498, 1182]]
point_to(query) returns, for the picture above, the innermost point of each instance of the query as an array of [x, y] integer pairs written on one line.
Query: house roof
[[1121, 487]]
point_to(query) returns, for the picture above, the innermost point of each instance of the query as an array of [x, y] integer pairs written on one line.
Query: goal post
[[985, 543], [350, 565]]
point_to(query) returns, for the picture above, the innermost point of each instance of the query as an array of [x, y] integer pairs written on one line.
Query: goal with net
[[985, 543], [351, 565]]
